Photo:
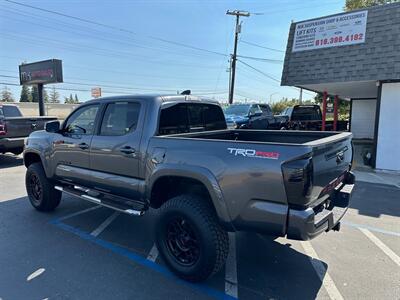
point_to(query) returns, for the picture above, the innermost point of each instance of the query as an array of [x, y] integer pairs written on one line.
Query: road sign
[[96, 92], [41, 72]]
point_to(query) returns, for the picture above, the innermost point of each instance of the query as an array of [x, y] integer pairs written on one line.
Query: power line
[[259, 46], [9, 76], [105, 52], [70, 89], [262, 59], [269, 76], [259, 71], [115, 28], [122, 87], [120, 41], [85, 34], [9, 83], [97, 70]]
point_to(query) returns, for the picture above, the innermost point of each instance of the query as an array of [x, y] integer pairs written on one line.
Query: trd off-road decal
[[253, 153]]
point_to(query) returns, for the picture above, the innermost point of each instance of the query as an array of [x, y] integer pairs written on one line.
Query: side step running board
[[77, 192]]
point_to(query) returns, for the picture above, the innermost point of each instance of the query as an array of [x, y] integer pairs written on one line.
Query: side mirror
[[52, 126]]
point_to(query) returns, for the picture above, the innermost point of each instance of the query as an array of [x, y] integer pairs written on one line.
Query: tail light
[[3, 128], [298, 179]]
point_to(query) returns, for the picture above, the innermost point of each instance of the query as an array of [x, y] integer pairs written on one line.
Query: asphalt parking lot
[[82, 251]]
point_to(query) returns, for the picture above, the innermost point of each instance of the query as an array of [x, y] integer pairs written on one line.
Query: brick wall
[[376, 59]]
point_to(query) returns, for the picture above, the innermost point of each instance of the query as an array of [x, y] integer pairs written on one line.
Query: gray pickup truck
[[14, 128], [174, 154]]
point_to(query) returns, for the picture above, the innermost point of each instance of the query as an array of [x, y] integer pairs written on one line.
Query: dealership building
[[355, 56]]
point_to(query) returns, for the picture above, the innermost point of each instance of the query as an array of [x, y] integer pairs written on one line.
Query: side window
[[173, 119], [181, 118], [254, 109], [120, 118], [11, 111], [82, 120]]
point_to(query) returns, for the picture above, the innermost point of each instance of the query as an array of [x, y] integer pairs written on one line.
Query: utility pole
[[230, 72], [238, 14]]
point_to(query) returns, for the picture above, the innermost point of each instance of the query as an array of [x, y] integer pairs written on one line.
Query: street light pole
[[270, 96], [301, 96], [238, 14]]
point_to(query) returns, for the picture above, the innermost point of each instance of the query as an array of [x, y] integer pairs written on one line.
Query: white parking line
[[104, 225], [371, 228], [393, 256], [231, 284], [322, 272], [153, 254], [35, 274], [79, 212]]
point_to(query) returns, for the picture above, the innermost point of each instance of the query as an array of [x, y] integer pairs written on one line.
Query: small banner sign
[[96, 92], [340, 30]]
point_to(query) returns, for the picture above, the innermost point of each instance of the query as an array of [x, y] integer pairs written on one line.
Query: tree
[[54, 96], [25, 94], [356, 4], [278, 107], [69, 100], [6, 95], [76, 100], [45, 96], [34, 94]]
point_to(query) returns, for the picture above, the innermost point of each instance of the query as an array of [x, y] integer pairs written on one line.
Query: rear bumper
[[8, 144], [307, 224]]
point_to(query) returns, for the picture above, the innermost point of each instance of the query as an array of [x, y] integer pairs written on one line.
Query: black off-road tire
[[40, 190], [213, 242]]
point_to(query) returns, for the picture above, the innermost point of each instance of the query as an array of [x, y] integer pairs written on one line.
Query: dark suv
[[255, 116]]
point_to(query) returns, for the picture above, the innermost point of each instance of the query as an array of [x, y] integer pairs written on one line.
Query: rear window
[[191, 117], [266, 109], [306, 113], [9, 111]]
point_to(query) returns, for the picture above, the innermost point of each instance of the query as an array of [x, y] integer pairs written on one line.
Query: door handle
[[127, 150], [83, 146]]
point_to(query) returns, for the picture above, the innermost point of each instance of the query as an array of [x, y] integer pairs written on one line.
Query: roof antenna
[[186, 92]]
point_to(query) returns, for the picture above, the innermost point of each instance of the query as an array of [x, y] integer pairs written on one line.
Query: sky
[[150, 46]]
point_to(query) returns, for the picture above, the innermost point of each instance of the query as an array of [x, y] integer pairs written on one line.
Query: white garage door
[[387, 153], [363, 119]]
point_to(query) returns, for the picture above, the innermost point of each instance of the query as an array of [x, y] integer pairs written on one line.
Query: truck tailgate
[[312, 178], [23, 126], [331, 161]]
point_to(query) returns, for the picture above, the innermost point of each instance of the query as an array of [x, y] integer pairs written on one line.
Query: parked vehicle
[[254, 116], [14, 128], [309, 117], [175, 154]]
